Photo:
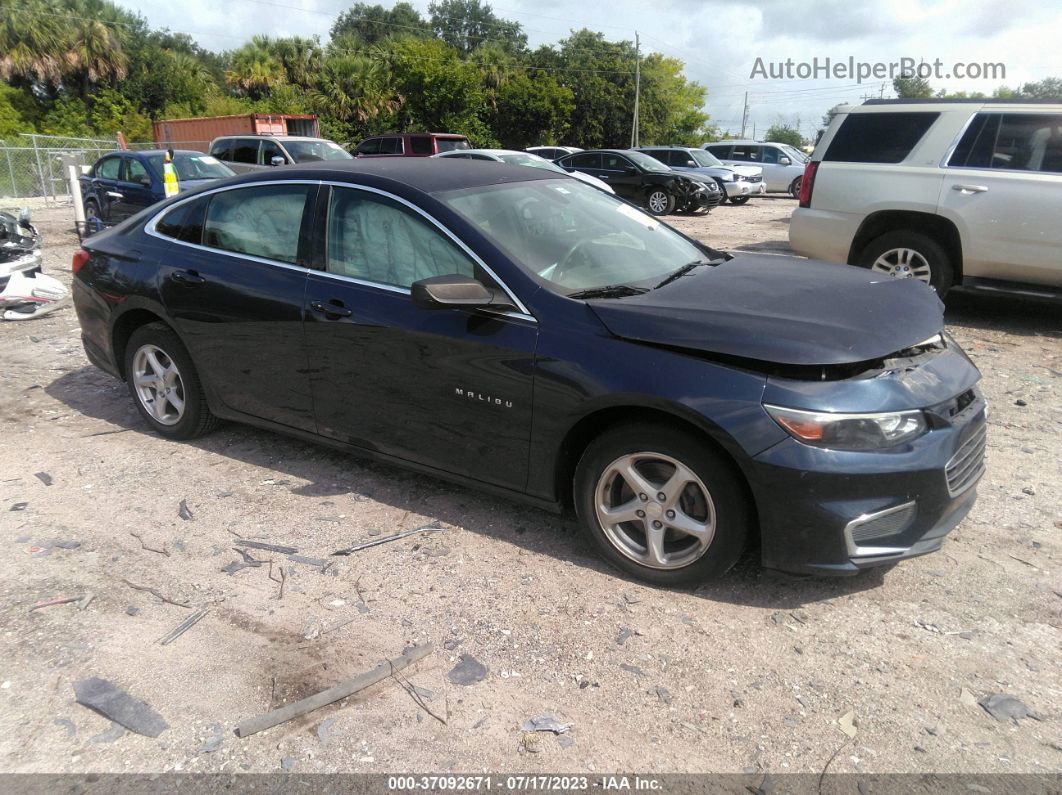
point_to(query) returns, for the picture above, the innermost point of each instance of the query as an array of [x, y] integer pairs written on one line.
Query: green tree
[[301, 58], [466, 24], [254, 69], [912, 87], [1048, 88], [354, 88], [531, 109], [12, 120], [670, 106], [370, 24], [32, 42], [783, 133]]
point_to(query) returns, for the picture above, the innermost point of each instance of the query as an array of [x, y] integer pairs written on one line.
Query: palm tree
[[97, 37], [301, 57], [354, 87], [496, 68], [32, 38], [254, 69]]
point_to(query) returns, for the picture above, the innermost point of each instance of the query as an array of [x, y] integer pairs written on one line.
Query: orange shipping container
[[198, 133]]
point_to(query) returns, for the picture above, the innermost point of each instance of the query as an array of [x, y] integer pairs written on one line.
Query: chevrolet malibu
[[515, 330]]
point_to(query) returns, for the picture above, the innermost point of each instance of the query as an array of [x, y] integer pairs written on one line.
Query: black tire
[[666, 206], [716, 474], [941, 271], [197, 419], [739, 200], [92, 210], [794, 188]]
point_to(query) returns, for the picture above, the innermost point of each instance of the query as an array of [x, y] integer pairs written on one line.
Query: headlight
[[700, 185], [850, 431]]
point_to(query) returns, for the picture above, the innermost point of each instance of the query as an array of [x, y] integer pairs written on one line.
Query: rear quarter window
[[421, 145], [184, 222], [878, 137]]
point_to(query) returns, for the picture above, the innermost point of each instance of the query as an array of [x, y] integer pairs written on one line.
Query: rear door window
[[245, 151], [135, 170], [262, 221], [584, 160], [722, 151], [746, 154], [878, 137]]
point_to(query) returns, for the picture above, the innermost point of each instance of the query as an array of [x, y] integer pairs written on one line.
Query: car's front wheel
[[660, 202], [909, 255], [660, 504], [165, 385], [739, 200]]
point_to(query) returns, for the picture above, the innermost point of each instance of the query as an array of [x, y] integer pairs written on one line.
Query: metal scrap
[[183, 627], [267, 547], [377, 541], [62, 600], [112, 702]]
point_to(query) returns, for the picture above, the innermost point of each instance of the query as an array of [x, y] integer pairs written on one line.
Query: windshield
[[313, 151], [192, 166], [796, 154], [704, 158], [572, 236], [531, 160], [646, 162], [450, 144]]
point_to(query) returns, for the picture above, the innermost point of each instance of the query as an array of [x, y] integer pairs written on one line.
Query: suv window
[[134, 170], [391, 146], [369, 147], [184, 222], [584, 160], [722, 151], [245, 151], [1012, 141], [375, 239], [108, 168], [271, 149], [263, 221], [746, 154], [450, 144], [421, 144], [878, 137], [222, 150]]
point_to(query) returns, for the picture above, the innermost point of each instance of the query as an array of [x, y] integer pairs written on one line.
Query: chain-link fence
[[35, 166]]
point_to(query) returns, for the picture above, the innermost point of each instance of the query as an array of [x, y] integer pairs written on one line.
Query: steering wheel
[[574, 259]]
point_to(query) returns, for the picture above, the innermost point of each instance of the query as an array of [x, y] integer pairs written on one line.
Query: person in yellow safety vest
[[169, 176]]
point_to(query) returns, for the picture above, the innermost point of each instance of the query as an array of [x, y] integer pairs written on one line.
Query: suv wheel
[[794, 188], [659, 202], [739, 200], [660, 505], [165, 385], [909, 255]]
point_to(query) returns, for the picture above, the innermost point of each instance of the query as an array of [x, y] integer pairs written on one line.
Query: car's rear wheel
[[739, 200], [909, 255], [660, 202], [165, 385], [794, 188], [661, 505]]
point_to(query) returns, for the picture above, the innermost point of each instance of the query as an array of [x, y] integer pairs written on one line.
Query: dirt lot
[[750, 674]]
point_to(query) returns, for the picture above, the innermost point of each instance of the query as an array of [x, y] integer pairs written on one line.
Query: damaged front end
[[20, 245], [25, 293]]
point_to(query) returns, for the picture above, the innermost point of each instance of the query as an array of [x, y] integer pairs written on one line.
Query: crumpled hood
[[783, 310], [748, 171]]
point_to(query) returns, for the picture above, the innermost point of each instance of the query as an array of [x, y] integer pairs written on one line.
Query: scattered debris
[[847, 723], [248, 562], [565, 742], [634, 669], [546, 722], [778, 617], [280, 579], [468, 671], [376, 542], [184, 626], [43, 477], [214, 741], [419, 696], [1002, 706], [282, 550], [529, 743], [663, 694], [155, 593], [143, 545], [116, 732], [622, 637], [326, 697], [132, 611], [308, 561], [71, 544], [66, 723], [967, 698], [184, 512], [85, 600], [112, 702], [61, 600], [1020, 402], [19, 506], [324, 731]]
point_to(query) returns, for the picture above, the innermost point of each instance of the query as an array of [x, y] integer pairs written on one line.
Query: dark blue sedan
[[122, 184], [516, 330]]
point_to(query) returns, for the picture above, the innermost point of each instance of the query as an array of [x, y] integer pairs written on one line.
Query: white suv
[[954, 193]]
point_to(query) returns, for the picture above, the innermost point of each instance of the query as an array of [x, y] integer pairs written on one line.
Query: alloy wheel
[[655, 510], [903, 263], [658, 201], [158, 384]]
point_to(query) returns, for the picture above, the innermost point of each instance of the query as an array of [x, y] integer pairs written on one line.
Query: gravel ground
[[754, 673]]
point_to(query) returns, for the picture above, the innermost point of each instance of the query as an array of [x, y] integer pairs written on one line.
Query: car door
[[624, 177], [233, 280], [106, 177], [245, 155], [775, 174], [448, 388], [137, 187], [1003, 190]]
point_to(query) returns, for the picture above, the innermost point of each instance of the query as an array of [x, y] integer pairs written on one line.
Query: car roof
[[152, 152], [425, 174], [456, 152], [941, 104], [273, 137]]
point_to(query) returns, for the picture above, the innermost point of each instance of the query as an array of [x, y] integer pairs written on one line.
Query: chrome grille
[[968, 463]]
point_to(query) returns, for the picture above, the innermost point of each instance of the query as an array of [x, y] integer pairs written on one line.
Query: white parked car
[[954, 193], [515, 158], [783, 165], [553, 152]]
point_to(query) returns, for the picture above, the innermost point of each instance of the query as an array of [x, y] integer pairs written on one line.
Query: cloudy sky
[[720, 40]]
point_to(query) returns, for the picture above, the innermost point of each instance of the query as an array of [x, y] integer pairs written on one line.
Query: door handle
[[970, 188], [189, 278], [334, 307], [114, 194]]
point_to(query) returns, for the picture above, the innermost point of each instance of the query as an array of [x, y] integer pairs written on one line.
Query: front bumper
[[838, 512], [739, 189], [703, 198], [27, 264]]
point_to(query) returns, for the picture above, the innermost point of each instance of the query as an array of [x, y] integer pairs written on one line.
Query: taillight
[[81, 256], [807, 183]]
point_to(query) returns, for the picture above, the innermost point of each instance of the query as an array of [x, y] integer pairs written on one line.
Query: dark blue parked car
[[122, 184]]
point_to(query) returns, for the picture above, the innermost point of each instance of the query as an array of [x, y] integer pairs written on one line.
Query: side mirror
[[784, 161], [451, 291], [277, 160], [630, 170]]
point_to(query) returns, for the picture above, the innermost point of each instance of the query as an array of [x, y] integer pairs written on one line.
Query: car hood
[[748, 171], [783, 310]]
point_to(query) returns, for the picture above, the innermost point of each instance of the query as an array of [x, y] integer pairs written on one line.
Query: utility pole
[[637, 88], [745, 115]]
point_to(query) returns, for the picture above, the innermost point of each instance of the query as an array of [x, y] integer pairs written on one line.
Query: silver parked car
[[739, 183], [243, 153], [782, 164], [515, 158]]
